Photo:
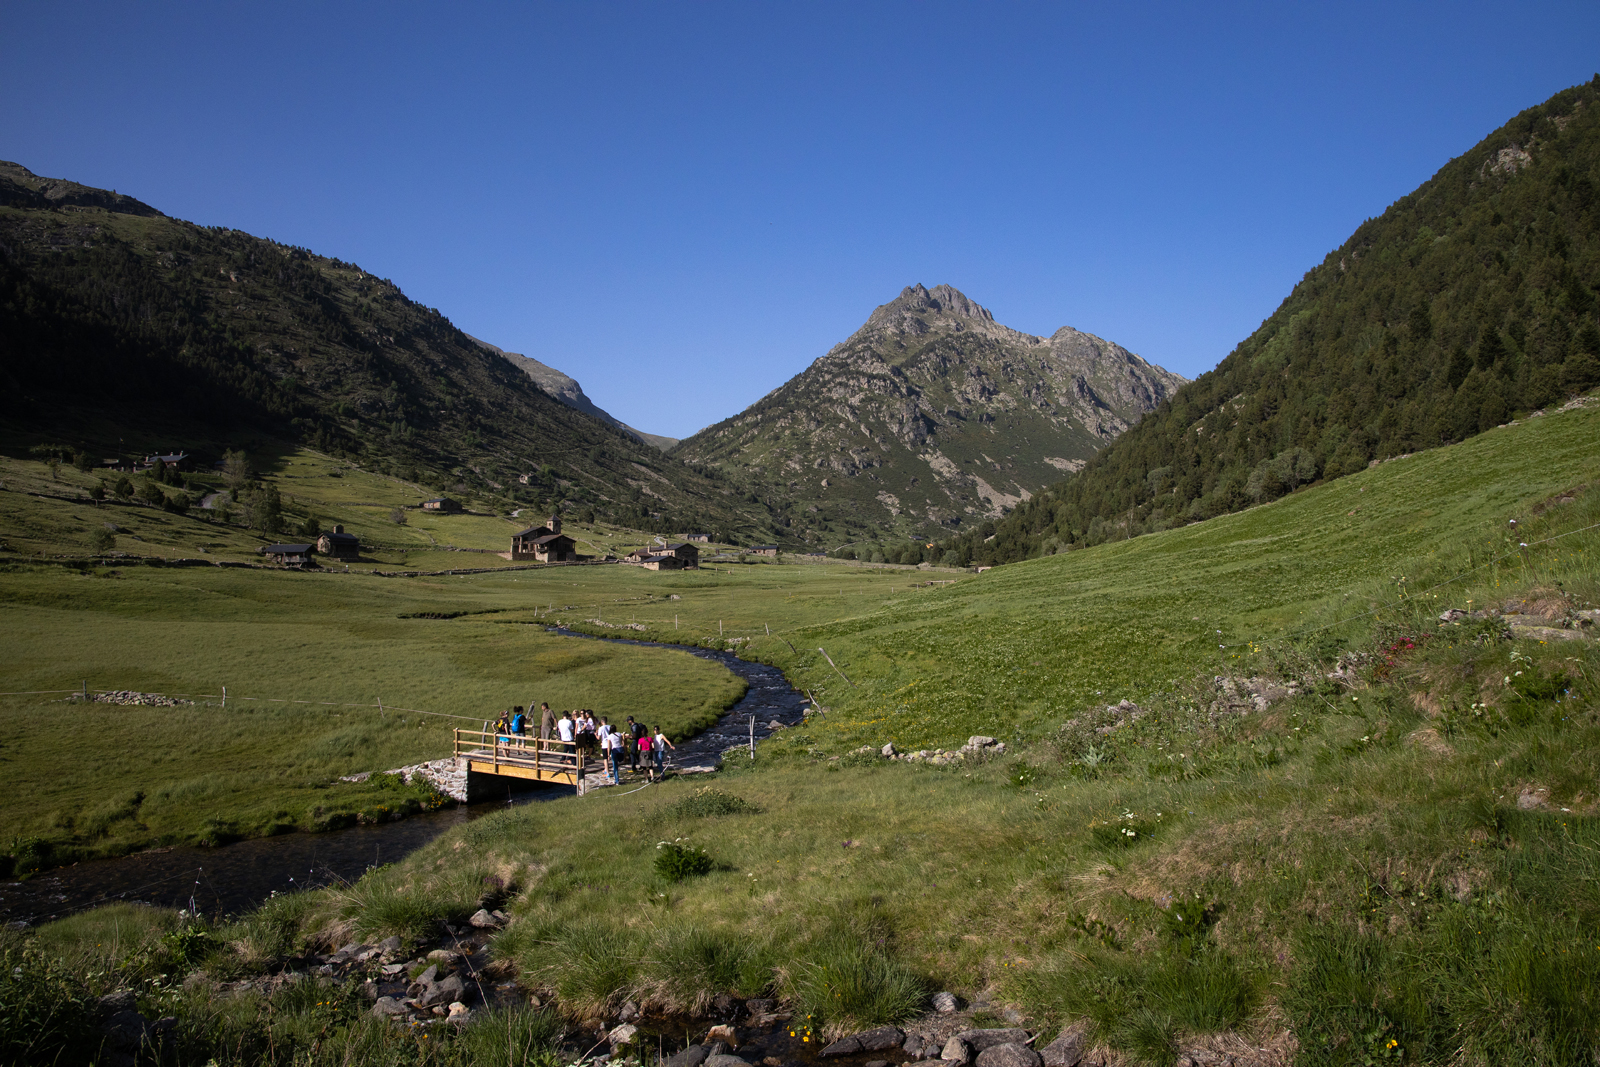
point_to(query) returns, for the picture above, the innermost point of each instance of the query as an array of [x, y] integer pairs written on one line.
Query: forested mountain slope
[[1467, 303], [123, 330], [931, 415]]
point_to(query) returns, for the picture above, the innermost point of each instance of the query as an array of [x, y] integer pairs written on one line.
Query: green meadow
[[1017, 651], [1397, 865]]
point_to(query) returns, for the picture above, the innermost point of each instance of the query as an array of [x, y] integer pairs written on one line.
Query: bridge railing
[[545, 755]]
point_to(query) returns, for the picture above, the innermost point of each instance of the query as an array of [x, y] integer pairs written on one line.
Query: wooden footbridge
[[536, 759]]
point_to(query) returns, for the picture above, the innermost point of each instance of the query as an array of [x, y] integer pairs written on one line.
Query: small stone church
[[544, 544]]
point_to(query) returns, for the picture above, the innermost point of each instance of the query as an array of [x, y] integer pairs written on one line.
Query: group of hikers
[[634, 742]]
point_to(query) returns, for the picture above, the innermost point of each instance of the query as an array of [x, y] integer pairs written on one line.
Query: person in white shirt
[[564, 727], [612, 743]]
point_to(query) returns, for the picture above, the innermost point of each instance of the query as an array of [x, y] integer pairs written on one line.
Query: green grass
[[1405, 857], [1021, 649], [95, 778], [271, 637]]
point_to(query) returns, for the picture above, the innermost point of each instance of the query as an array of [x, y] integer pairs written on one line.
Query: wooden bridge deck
[[533, 758]]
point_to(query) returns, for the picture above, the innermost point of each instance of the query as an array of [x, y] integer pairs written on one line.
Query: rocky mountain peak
[[931, 415], [21, 187], [917, 309]]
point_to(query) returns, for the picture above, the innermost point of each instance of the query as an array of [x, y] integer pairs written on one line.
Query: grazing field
[[95, 777], [1340, 830]]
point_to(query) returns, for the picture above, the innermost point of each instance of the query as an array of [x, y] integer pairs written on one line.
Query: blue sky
[[682, 205]]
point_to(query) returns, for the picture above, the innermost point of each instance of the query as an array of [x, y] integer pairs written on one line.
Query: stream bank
[[233, 878]]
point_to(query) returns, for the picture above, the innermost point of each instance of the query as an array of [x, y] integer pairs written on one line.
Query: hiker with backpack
[[635, 732]]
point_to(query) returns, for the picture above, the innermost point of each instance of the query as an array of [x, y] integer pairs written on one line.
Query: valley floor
[[1256, 792]]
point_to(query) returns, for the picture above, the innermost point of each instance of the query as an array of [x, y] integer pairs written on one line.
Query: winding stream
[[235, 877]]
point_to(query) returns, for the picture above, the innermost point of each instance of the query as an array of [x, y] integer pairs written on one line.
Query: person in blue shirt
[[519, 726]]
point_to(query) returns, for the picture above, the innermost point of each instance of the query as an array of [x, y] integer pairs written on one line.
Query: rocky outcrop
[[932, 410]]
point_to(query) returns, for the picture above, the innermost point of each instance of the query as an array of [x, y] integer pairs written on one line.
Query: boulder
[[459, 1013], [979, 741], [622, 1035], [389, 947], [760, 1007], [629, 1012], [845, 1046], [387, 1006], [945, 1003], [725, 1060], [1066, 1050], [978, 1040], [125, 1029], [693, 1056], [913, 1045], [723, 1032], [956, 1051], [443, 992], [484, 921], [880, 1038], [888, 750], [121, 1000], [1009, 1054]]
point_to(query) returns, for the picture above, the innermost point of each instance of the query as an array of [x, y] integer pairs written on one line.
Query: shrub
[[676, 860], [46, 1016]]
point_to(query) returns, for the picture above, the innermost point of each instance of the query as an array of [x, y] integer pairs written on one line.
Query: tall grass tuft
[[1141, 1003], [47, 1016], [592, 965], [100, 944], [691, 964], [709, 801], [271, 931], [515, 1037], [846, 983]]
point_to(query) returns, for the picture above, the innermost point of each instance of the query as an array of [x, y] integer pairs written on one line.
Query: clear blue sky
[[683, 204]]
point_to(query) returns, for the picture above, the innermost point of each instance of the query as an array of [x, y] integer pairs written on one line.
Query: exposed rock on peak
[[918, 311], [932, 414], [21, 187]]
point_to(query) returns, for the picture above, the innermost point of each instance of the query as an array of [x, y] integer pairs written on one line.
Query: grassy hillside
[[1020, 649], [54, 513], [1468, 302], [123, 331]]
